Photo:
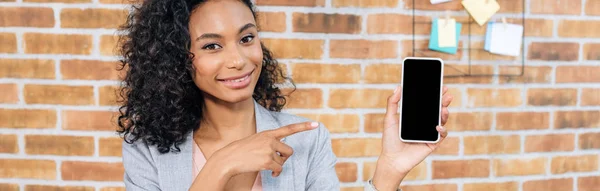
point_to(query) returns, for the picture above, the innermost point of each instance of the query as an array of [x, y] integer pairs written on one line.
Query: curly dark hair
[[159, 101]]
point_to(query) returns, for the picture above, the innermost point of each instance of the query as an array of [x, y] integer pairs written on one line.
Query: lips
[[238, 78]]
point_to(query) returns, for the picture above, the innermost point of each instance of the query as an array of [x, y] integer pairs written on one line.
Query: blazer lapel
[[285, 181], [175, 169]]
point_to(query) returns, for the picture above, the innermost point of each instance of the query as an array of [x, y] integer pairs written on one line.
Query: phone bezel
[[440, 101]]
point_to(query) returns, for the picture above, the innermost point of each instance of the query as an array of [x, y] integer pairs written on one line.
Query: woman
[[201, 110]]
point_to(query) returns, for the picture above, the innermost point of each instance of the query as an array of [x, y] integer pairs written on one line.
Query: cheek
[[255, 54], [205, 69]]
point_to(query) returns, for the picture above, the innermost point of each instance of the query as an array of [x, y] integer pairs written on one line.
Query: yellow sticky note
[[446, 32], [481, 10]]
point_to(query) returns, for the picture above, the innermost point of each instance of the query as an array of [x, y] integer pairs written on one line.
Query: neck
[[226, 121]]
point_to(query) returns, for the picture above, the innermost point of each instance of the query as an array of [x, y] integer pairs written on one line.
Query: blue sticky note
[[488, 34], [433, 39]]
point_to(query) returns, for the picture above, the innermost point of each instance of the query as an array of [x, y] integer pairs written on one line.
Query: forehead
[[220, 16]]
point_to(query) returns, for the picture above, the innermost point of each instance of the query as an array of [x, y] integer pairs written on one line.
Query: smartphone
[[421, 101]]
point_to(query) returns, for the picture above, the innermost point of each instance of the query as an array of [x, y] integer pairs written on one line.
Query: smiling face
[[228, 55]]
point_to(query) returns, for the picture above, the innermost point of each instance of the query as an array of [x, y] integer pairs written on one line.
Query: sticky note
[[446, 29], [481, 10], [488, 34], [439, 1], [433, 39], [506, 39]]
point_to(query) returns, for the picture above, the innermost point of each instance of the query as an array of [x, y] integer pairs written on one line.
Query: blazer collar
[[173, 168]]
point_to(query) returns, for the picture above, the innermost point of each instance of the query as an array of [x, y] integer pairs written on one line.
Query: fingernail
[[314, 124], [442, 128], [396, 90]]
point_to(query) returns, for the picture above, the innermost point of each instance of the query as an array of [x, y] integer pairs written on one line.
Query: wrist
[[386, 176]]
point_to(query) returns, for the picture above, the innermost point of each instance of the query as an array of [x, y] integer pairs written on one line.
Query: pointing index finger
[[294, 128]]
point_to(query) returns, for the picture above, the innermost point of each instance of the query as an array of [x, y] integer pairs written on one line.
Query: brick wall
[[536, 132]]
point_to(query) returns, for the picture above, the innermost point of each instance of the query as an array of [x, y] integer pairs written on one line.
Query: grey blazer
[[311, 167]]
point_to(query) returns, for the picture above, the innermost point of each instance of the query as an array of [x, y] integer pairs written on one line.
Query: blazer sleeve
[[321, 174], [140, 171]]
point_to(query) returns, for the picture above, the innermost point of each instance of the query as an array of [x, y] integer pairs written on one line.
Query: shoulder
[[137, 151]]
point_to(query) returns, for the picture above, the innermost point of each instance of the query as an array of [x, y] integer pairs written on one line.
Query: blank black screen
[[420, 100]]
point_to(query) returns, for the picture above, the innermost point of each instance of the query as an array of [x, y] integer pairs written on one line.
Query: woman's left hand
[[397, 158]]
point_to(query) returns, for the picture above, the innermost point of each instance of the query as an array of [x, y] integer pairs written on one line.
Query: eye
[[247, 39], [211, 46]]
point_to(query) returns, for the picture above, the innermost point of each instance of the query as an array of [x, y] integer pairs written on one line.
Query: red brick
[[453, 74], [526, 166], [27, 68], [511, 6], [592, 8], [89, 120], [308, 3], [549, 143], [356, 147], [28, 118], [460, 169], [492, 97], [589, 141], [39, 17], [419, 172], [110, 146], [552, 97], [9, 187], [383, 73], [366, 49], [337, 123], [59, 145], [577, 74], [591, 51], [92, 171], [522, 120], [588, 183], [430, 187], [426, 5], [336, 73], [109, 95], [39, 43], [364, 3], [10, 93], [492, 144], [389, 23], [92, 18], [374, 122], [562, 184], [58, 94], [271, 21], [578, 28], [295, 48], [305, 98], [27, 168], [346, 171], [326, 23], [580, 163], [497, 186], [470, 121], [358, 98], [113, 189], [553, 51], [531, 74], [8, 143], [571, 7], [57, 188], [79, 69], [58, 1], [9, 43], [576, 119], [450, 146], [108, 45]]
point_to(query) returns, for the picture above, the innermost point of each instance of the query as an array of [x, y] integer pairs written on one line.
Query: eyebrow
[[213, 35]]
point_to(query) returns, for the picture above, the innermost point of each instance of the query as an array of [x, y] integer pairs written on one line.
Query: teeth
[[238, 80]]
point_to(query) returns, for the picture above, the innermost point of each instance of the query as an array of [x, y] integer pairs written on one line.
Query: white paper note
[[506, 39], [446, 32], [438, 1]]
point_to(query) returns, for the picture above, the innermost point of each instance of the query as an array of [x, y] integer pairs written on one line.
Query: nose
[[236, 59]]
